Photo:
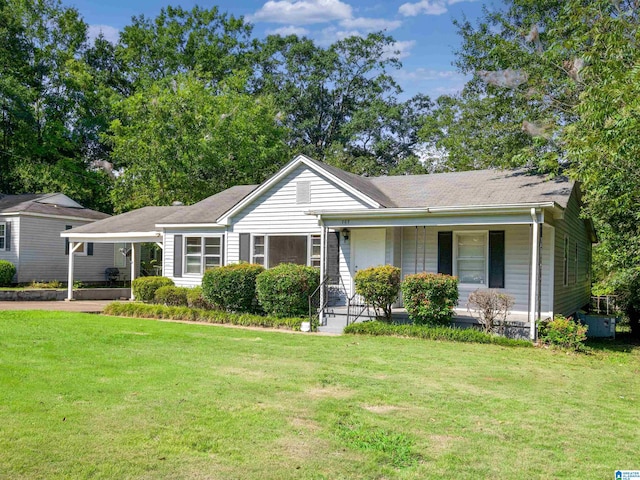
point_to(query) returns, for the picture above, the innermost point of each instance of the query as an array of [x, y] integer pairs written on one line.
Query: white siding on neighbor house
[[42, 253], [12, 255], [571, 297], [277, 212], [187, 280], [517, 261]]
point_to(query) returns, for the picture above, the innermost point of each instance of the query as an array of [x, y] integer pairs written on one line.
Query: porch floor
[[336, 320]]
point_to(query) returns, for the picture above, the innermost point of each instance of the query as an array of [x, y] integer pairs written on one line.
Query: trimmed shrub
[[490, 308], [563, 332], [429, 298], [283, 291], [144, 288], [196, 300], [432, 333], [7, 271], [171, 296], [144, 310], [232, 287], [379, 286]]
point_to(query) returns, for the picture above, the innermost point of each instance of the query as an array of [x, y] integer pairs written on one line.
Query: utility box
[[600, 326]]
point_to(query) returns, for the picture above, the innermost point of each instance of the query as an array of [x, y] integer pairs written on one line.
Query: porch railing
[[314, 301], [356, 306], [604, 304]]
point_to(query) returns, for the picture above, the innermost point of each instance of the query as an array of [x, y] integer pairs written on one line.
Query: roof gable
[[49, 204]]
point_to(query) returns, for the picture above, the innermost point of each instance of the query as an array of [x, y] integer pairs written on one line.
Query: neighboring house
[[519, 233], [30, 227]]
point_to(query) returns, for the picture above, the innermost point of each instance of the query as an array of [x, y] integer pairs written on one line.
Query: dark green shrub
[[232, 287], [562, 332], [171, 296], [429, 298], [143, 310], [432, 333], [628, 291], [283, 291], [144, 288], [379, 286], [7, 271], [195, 299]]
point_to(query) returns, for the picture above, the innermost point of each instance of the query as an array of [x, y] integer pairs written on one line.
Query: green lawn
[[86, 396]]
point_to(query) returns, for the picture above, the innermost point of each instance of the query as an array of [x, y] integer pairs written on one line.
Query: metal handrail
[[350, 304], [315, 311]]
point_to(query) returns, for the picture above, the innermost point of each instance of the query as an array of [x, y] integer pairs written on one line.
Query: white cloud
[[331, 35], [110, 33], [426, 74], [400, 49], [290, 30], [370, 24], [302, 12], [426, 7]]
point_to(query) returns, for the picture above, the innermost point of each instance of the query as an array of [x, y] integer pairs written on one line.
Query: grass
[[87, 396]]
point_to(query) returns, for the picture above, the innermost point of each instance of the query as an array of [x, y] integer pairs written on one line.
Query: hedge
[[144, 288], [284, 290], [7, 271], [195, 299], [429, 298], [171, 296], [143, 310], [470, 335], [232, 287]]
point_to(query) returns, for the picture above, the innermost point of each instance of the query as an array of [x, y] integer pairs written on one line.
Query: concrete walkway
[[86, 306]]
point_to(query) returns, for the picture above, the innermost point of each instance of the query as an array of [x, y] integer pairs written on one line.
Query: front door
[[368, 247]]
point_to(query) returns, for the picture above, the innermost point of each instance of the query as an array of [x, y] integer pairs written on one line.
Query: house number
[[346, 222]]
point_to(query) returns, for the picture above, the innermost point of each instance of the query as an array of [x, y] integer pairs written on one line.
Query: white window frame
[[202, 254], [81, 251], [3, 236], [485, 233], [265, 255]]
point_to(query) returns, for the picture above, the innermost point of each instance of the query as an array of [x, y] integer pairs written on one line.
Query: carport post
[[70, 277]]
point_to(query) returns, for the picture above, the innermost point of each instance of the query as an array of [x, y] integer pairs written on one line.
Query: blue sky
[[423, 29]]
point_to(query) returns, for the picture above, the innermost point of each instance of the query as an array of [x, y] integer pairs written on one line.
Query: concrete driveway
[[87, 306]]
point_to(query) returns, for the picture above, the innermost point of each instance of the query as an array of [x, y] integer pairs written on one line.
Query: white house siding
[[517, 260], [571, 297], [12, 255], [276, 210], [42, 252], [187, 280]]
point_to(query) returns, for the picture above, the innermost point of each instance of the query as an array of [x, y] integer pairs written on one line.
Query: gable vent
[[303, 192]]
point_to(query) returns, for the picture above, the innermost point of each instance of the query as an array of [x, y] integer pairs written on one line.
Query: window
[[258, 249], [316, 248], [3, 236], [471, 257], [202, 252], [565, 262]]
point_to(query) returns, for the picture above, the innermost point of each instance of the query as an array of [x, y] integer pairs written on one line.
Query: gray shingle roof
[[141, 220], [477, 187], [211, 208], [34, 203]]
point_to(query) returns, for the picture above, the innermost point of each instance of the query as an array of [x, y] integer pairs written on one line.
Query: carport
[[134, 228]]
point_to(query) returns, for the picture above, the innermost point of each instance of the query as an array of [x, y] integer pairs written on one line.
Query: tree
[[185, 139]]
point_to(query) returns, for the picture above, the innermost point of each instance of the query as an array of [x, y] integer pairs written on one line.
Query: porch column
[[72, 247], [133, 268], [323, 270], [535, 260]]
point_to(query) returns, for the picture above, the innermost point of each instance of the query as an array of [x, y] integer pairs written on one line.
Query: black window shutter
[[333, 257], [445, 253], [66, 240], [90, 248], [7, 236], [496, 259], [177, 256], [245, 244]]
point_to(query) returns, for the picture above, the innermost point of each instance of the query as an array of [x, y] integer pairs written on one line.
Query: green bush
[[379, 286], [195, 299], [7, 271], [143, 310], [562, 332], [232, 287], [171, 296], [429, 298], [144, 288], [284, 291], [432, 333], [628, 291]]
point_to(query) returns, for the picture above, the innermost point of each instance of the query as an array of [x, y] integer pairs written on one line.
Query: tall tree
[[184, 139]]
